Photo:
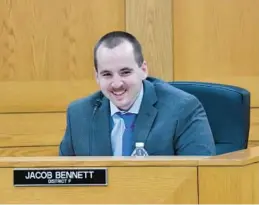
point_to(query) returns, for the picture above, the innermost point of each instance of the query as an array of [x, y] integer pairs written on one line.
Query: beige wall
[[46, 56]]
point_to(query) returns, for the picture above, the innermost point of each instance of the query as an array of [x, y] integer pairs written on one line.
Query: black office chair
[[228, 111]]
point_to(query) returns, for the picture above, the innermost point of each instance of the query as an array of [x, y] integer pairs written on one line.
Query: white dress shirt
[[119, 126]]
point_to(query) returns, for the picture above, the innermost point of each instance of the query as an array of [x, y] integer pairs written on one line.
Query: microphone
[[97, 104]]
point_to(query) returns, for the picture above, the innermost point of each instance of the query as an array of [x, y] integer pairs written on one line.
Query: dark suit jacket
[[170, 122]]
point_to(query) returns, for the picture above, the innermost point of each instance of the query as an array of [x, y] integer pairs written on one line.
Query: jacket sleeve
[[193, 133], [66, 146]]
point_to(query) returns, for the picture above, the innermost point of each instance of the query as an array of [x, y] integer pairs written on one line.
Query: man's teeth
[[119, 92]]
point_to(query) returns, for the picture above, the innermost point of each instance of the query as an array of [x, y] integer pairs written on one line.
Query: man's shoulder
[[166, 91], [171, 98], [85, 102]]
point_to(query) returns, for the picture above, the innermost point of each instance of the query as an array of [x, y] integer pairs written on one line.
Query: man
[[132, 107]]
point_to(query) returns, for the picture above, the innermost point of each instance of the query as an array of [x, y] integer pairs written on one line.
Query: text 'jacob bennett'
[[60, 174]]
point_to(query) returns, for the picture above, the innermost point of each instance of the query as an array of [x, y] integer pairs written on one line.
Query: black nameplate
[[60, 177]]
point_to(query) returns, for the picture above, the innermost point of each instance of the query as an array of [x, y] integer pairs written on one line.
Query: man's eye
[[106, 74], [126, 72]]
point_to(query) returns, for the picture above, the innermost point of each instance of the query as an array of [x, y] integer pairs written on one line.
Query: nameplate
[[60, 177]]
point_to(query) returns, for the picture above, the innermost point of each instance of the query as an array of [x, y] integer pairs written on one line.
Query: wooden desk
[[153, 180], [231, 178]]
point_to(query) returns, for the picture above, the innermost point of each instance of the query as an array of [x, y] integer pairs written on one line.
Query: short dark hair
[[115, 38]]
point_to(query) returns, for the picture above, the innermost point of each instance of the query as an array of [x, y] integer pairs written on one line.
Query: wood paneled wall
[[46, 61], [46, 58], [217, 41], [151, 22], [46, 50]]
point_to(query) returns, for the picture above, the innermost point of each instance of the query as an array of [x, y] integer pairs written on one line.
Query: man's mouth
[[119, 93]]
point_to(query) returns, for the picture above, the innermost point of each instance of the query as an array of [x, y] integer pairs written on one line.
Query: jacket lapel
[[101, 141], [147, 114]]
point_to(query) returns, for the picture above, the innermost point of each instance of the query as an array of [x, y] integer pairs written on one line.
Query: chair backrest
[[228, 112]]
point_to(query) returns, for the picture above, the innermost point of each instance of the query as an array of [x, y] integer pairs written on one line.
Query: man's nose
[[117, 82]]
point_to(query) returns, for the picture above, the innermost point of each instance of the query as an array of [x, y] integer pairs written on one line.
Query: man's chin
[[121, 106]]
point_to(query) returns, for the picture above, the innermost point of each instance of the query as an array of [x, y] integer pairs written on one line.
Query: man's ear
[[144, 69], [96, 76]]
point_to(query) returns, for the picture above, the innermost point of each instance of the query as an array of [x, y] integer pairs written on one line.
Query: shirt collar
[[134, 108]]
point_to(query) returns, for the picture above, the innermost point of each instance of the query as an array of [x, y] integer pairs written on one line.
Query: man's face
[[119, 76]]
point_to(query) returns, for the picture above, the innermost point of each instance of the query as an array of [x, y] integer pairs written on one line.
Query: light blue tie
[[127, 139]]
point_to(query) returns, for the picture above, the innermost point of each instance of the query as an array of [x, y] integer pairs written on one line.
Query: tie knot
[[124, 114], [128, 118]]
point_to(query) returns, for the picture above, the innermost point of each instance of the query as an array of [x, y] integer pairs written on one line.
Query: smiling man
[[132, 107]]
